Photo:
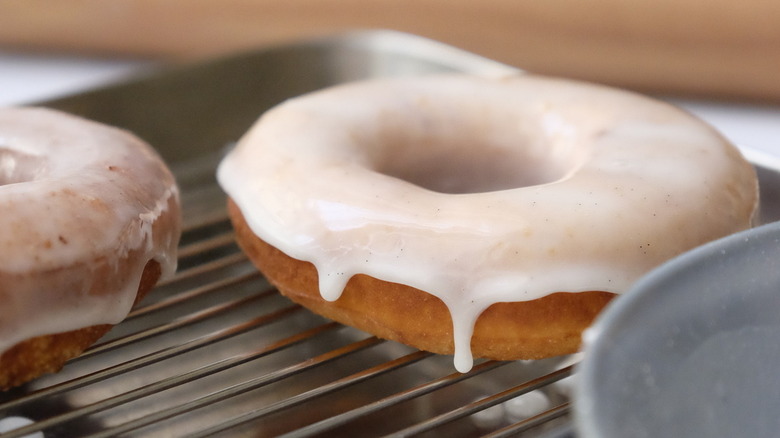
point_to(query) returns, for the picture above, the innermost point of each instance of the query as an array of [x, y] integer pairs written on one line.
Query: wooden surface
[[713, 48]]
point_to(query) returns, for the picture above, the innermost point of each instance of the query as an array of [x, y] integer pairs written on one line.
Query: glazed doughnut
[[500, 214], [90, 221]]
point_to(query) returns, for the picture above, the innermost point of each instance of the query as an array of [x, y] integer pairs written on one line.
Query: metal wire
[[532, 422], [205, 292], [239, 389], [397, 398], [485, 403]]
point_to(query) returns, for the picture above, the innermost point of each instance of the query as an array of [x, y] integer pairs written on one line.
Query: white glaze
[[82, 211], [534, 185]]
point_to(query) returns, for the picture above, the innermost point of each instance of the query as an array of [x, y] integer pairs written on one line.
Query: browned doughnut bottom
[[48, 354], [545, 327]]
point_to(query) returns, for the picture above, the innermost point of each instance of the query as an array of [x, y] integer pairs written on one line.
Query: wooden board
[[713, 48]]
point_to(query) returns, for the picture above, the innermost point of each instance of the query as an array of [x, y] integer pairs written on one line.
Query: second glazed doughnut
[[90, 221], [460, 214]]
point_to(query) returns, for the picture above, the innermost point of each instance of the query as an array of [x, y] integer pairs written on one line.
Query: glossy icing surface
[[482, 190], [84, 207]]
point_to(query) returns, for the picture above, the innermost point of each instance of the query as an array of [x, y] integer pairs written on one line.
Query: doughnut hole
[[477, 156], [18, 167]]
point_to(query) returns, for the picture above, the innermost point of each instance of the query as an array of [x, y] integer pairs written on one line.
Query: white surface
[[754, 126], [29, 78], [527, 405], [10, 423]]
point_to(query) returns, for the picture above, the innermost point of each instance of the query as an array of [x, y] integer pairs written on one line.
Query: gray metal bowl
[[693, 350]]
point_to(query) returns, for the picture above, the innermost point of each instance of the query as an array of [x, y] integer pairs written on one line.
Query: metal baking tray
[[216, 351]]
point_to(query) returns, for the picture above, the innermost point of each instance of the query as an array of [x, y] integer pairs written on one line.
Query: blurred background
[[718, 58]]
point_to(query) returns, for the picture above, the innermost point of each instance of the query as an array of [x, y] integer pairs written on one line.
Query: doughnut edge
[[46, 354], [546, 327]]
